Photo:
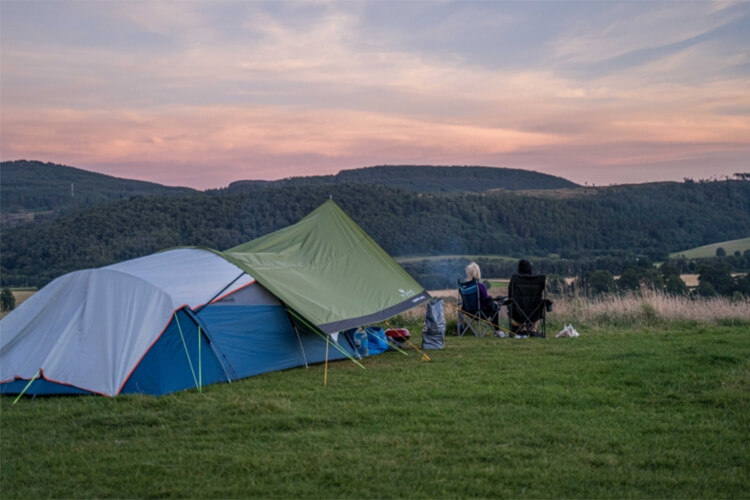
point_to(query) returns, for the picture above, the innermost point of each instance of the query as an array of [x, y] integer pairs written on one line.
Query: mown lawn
[[629, 413]]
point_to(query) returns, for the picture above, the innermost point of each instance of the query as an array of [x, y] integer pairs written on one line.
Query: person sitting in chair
[[489, 307], [525, 268]]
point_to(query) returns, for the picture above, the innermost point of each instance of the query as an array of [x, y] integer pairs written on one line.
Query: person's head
[[524, 267], [473, 272]]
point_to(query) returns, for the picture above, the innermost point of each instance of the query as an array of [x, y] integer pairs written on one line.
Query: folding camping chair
[[469, 315], [527, 303]]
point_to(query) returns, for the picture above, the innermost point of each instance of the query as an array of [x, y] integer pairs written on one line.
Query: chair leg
[[465, 324], [476, 326], [482, 327]]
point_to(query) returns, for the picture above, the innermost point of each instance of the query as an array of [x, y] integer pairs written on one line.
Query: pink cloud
[[269, 142], [211, 147]]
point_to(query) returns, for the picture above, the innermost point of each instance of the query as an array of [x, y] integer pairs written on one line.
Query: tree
[[743, 285], [720, 252], [706, 289], [7, 300], [557, 284], [634, 277], [673, 283], [718, 275], [599, 281]]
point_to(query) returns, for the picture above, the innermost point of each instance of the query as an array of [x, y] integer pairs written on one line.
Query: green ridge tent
[[329, 271]]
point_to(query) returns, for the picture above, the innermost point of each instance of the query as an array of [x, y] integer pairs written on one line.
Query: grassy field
[[710, 250], [640, 410]]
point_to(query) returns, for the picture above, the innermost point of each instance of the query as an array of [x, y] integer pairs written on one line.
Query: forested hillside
[[33, 186], [30, 190], [423, 179], [650, 220]]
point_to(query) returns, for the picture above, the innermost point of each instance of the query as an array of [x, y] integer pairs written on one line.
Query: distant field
[[20, 294], [710, 250]]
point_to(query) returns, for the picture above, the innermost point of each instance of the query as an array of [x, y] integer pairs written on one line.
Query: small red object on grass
[[397, 334]]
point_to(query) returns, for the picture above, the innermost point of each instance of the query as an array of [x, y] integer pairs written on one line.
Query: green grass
[[710, 250], [624, 413]]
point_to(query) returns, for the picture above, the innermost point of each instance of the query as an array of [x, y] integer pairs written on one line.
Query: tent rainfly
[[190, 317]]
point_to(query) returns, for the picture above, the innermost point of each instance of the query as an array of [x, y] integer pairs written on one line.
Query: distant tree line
[[611, 229], [717, 276], [665, 278]]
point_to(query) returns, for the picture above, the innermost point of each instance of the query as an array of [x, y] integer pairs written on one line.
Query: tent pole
[[425, 357], [320, 333], [296, 332], [36, 375], [301, 347], [325, 375], [299, 339], [184, 344], [220, 292], [219, 355], [393, 346], [200, 362]]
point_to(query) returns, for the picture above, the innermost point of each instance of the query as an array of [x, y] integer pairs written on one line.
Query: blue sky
[[203, 93]]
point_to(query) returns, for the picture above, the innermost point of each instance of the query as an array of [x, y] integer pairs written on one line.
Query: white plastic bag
[[568, 331]]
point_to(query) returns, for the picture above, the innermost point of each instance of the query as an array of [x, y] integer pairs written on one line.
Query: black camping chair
[[470, 316], [527, 303]]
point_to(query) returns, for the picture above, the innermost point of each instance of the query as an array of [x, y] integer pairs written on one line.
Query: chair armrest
[[502, 300]]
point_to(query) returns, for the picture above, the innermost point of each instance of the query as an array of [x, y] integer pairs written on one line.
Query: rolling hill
[[741, 245], [423, 179], [30, 187], [33, 190]]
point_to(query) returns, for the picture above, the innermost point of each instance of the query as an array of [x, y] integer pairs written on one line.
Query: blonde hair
[[473, 272]]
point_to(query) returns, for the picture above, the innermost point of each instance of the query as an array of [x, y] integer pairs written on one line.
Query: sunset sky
[[202, 93]]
